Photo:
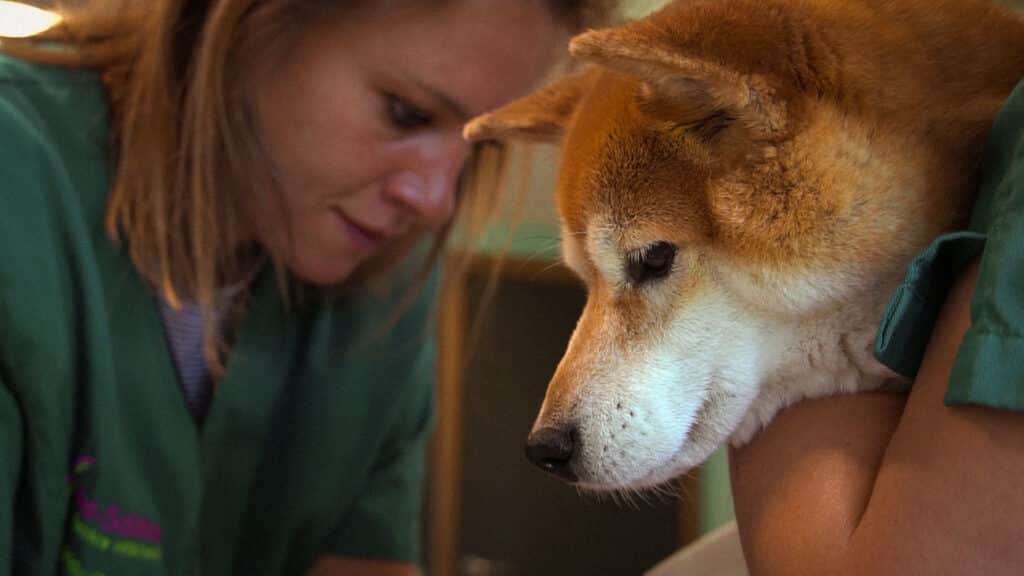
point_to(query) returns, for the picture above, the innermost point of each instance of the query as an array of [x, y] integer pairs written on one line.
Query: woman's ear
[[537, 117]]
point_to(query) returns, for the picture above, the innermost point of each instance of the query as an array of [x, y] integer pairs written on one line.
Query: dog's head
[[725, 183]]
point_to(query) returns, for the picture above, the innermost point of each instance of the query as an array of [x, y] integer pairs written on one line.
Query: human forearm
[[837, 486], [801, 487]]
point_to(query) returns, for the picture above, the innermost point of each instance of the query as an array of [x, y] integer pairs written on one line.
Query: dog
[[742, 185]]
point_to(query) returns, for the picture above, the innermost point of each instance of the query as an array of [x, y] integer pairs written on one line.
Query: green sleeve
[[989, 367], [10, 465], [385, 521]]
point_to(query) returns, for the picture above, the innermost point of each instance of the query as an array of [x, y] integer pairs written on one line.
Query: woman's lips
[[363, 238]]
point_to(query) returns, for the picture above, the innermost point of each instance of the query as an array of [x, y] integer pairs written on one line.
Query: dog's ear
[[537, 117], [681, 80]]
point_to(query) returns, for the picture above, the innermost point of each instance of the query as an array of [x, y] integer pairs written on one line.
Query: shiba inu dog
[[743, 183]]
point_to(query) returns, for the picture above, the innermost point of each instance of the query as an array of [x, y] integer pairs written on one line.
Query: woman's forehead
[[475, 54]]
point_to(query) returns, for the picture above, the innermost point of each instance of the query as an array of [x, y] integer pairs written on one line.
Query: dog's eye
[[650, 263]]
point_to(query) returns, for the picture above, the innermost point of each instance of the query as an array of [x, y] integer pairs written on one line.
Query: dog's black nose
[[551, 449]]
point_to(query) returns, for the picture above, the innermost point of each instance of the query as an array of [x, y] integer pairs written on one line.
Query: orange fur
[[808, 147]]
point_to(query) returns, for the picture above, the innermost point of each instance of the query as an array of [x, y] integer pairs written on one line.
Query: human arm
[[379, 535], [863, 485]]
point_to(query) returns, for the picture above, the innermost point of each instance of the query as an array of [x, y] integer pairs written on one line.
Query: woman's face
[[362, 120]]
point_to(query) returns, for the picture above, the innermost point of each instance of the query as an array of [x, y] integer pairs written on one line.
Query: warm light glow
[[19, 20]]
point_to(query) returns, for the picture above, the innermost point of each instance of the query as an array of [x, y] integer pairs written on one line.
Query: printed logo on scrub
[[106, 527]]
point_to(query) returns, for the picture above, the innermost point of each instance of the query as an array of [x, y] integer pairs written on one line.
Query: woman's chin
[[323, 272]]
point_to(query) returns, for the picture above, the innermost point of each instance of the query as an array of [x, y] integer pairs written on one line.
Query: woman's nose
[[427, 184]]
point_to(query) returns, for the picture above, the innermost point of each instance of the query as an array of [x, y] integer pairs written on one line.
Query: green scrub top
[[989, 366], [314, 443]]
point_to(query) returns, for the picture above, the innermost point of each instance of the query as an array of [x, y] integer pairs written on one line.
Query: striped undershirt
[[184, 330]]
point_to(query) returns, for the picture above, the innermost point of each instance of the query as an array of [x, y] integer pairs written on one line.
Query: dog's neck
[[828, 354]]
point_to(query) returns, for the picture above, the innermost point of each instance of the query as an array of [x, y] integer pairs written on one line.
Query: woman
[[195, 375]]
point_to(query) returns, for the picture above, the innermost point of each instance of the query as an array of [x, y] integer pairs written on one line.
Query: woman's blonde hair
[[189, 166]]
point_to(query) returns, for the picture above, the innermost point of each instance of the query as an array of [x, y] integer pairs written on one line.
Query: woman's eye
[[404, 115], [650, 263]]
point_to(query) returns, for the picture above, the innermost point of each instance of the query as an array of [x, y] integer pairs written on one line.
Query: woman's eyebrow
[[453, 106]]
